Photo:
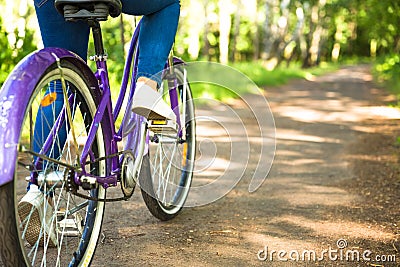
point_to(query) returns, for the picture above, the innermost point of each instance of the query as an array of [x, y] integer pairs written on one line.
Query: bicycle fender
[[16, 92]]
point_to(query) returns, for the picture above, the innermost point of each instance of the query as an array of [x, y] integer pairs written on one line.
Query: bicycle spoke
[[167, 176]]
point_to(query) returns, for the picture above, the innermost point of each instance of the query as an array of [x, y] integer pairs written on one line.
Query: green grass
[[281, 75], [220, 82]]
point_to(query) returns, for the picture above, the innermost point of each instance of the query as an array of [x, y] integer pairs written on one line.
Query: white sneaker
[[150, 104], [31, 211]]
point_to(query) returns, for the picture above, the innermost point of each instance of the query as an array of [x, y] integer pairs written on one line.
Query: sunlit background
[[258, 37]]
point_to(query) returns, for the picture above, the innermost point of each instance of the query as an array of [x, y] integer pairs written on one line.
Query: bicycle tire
[[154, 185], [75, 223]]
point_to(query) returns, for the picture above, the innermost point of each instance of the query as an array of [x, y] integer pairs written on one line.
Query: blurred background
[[269, 40]]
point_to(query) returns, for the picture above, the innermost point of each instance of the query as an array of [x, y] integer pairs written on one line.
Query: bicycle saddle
[[88, 9]]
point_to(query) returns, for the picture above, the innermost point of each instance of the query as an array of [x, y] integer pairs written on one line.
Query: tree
[[16, 38]]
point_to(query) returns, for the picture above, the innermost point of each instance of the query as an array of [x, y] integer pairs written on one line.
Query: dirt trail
[[334, 177]]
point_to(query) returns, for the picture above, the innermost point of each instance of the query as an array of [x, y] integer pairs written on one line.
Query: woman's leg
[[155, 41], [157, 32], [56, 32], [156, 37]]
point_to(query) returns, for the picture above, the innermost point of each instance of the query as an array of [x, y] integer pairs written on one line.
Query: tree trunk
[[206, 26], [267, 40], [338, 37], [256, 33], [122, 34], [224, 30], [236, 28], [315, 37], [296, 37]]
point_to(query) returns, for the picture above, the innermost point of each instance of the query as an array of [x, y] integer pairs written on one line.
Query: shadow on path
[[309, 201]]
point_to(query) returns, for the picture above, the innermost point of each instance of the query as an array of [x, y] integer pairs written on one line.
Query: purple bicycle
[[94, 153]]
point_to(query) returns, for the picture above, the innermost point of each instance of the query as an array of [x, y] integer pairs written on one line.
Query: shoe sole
[[148, 114], [27, 210]]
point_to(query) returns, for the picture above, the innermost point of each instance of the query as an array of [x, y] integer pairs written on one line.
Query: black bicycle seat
[[88, 9]]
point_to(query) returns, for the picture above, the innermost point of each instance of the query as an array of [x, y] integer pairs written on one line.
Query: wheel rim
[[72, 212]]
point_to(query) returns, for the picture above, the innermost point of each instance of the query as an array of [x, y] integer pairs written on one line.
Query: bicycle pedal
[[71, 227], [163, 126]]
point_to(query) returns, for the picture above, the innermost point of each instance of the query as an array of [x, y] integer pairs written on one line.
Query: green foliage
[[244, 44], [359, 28], [387, 72], [11, 54], [381, 20]]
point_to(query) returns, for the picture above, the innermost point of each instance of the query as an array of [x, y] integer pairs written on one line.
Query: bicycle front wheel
[[48, 225], [167, 170]]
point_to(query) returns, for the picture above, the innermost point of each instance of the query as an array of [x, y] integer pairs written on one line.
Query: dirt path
[[334, 177]]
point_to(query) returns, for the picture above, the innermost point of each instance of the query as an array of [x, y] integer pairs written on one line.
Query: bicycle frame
[[17, 90], [23, 79], [137, 139]]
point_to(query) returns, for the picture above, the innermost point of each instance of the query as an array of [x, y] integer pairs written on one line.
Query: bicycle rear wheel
[[167, 170], [54, 227]]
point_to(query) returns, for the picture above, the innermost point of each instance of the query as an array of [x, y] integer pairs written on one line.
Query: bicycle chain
[[105, 200], [46, 158], [72, 187]]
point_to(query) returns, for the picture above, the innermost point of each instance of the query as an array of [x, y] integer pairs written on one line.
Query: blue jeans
[[156, 37]]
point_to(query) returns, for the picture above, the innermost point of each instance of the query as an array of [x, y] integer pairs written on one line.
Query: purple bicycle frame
[[133, 137], [17, 91], [24, 78]]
